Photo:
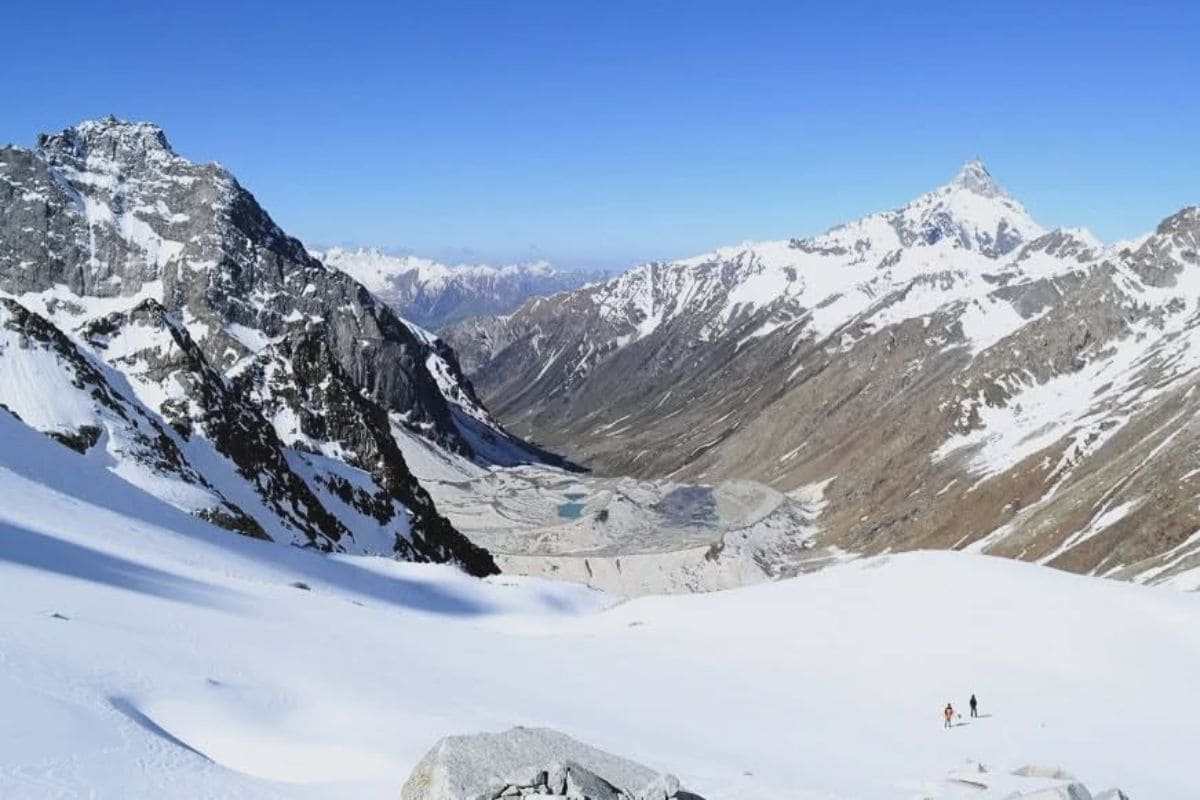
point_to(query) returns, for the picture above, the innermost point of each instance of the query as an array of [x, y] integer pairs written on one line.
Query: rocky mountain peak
[[109, 139], [974, 177], [1186, 220], [971, 210]]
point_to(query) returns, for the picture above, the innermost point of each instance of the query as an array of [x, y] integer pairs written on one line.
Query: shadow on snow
[[35, 550]]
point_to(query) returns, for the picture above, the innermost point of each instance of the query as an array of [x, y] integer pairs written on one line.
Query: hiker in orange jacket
[[949, 714]]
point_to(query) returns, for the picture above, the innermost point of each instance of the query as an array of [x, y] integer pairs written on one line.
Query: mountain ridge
[[434, 295], [849, 361]]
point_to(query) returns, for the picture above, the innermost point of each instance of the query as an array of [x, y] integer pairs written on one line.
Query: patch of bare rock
[[528, 762]]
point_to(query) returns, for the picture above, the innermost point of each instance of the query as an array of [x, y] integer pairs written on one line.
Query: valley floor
[[145, 654], [624, 536]]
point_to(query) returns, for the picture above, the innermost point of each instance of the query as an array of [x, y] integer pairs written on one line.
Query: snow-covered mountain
[[155, 318], [813, 286], [949, 374], [435, 295]]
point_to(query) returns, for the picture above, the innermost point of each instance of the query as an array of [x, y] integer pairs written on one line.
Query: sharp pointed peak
[[974, 177]]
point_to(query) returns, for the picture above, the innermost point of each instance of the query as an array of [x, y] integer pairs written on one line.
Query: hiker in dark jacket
[[974, 706]]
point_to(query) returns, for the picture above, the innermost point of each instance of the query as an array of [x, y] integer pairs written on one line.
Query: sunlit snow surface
[[189, 666]]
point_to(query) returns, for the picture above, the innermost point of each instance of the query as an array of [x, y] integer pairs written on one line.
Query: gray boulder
[[1052, 772], [524, 762]]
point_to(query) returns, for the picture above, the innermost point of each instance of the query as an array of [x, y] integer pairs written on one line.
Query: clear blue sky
[[603, 133]]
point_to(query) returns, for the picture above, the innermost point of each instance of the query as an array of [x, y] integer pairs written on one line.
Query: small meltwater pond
[[573, 508]]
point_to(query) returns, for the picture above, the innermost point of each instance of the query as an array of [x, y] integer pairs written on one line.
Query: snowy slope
[[434, 295], [188, 666]]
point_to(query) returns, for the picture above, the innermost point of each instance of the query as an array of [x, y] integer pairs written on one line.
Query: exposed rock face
[[524, 762], [434, 295], [275, 386], [154, 351], [134, 213], [951, 373], [54, 386]]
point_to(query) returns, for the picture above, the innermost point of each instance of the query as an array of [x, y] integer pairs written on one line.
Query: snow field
[[190, 666]]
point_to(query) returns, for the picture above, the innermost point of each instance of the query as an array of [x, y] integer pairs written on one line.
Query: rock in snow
[[1043, 771], [533, 761], [1072, 791]]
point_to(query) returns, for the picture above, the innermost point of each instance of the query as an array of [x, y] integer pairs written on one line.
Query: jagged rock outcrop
[[158, 355], [950, 373], [51, 384], [526, 762]]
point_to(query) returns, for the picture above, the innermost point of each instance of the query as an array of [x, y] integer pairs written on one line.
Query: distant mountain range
[[948, 374], [435, 295]]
